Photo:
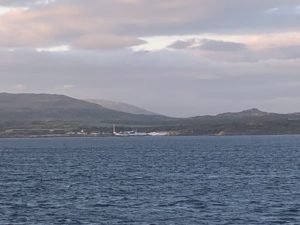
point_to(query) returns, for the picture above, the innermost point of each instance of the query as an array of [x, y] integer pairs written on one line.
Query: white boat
[[119, 134], [128, 133], [137, 134], [158, 133]]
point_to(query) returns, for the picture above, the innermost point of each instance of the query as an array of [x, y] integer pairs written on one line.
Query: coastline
[[112, 136]]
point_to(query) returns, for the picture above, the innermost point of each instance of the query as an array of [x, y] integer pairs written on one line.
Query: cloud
[[214, 45], [61, 48], [207, 45], [4, 10], [25, 2], [283, 53], [105, 41], [180, 44], [284, 10]]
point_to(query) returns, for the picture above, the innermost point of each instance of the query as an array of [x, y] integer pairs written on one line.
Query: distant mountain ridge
[[121, 107], [47, 111]]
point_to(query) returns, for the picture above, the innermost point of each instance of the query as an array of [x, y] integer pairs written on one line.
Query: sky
[[175, 57]]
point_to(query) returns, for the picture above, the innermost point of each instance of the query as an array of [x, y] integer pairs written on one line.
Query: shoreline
[[112, 136]]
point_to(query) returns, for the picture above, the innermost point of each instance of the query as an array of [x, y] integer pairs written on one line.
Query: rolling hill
[[49, 107]]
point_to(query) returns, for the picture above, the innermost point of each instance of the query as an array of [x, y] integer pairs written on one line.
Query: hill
[[121, 107], [48, 107], [248, 122], [246, 113]]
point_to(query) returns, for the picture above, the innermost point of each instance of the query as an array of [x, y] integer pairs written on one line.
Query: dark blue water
[[167, 180]]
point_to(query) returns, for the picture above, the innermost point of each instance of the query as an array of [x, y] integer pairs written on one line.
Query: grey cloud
[[229, 16], [287, 52], [180, 44], [208, 45], [225, 51], [284, 10], [214, 45], [184, 44], [228, 53], [14, 3]]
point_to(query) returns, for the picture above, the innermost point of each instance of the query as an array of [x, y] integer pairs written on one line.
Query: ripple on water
[[171, 180]]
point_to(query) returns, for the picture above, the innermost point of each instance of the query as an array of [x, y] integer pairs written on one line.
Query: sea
[[244, 180]]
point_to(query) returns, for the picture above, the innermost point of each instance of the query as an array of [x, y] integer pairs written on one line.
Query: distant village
[[10, 133]]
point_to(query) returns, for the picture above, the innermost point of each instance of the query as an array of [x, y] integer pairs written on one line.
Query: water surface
[[159, 180]]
